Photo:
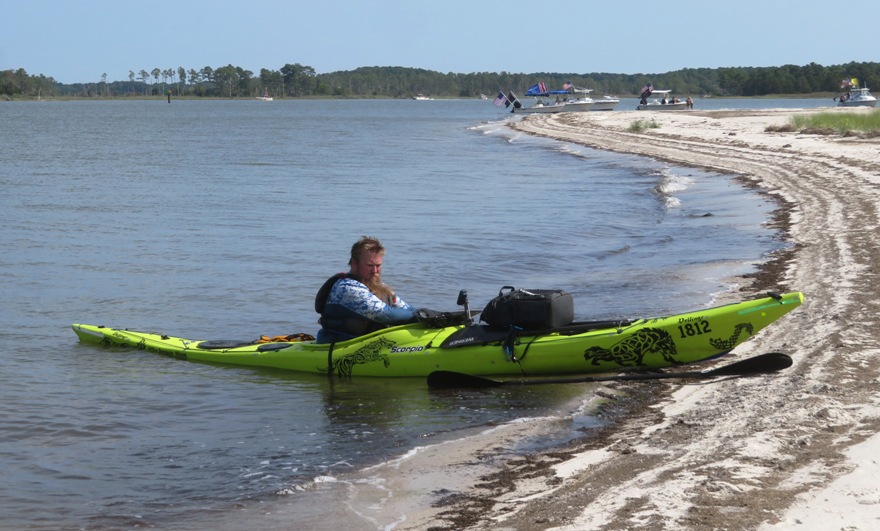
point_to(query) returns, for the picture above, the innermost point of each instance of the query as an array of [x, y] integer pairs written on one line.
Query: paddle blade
[[764, 363], [455, 380]]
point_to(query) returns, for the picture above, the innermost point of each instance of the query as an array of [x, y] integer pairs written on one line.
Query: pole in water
[[169, 95]]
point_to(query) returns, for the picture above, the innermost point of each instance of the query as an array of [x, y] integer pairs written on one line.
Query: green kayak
[[452, 342]]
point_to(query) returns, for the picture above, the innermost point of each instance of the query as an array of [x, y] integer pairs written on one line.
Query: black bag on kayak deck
[[532, 309]]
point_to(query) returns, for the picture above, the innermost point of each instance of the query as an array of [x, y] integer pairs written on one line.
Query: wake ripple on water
[[670, 185]]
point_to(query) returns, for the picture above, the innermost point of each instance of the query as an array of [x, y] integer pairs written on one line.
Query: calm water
[[220, 220]]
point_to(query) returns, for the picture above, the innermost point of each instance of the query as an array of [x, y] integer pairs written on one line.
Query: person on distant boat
[[356, 303], [664, 101]]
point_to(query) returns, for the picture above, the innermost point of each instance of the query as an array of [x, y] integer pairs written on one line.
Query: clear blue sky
[[78, 41]]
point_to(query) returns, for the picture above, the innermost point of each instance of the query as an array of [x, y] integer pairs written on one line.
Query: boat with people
[[520, 332], [855, 95], [575, 99], [543, 101], [662, 101], [568, 99], [265, 96]]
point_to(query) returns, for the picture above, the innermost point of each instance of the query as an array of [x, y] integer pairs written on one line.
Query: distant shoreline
[[818, 95]]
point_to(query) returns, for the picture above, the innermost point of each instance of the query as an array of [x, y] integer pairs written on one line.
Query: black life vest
[[324, 290], [338, 320]]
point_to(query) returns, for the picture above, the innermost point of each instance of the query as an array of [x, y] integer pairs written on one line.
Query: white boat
[[539, 92], [569, 99], [422, 97], [265, 96], [541, 107], [605, 103], [856, 97], [577, 105], [580, 101], [586, 103], [665, 103]]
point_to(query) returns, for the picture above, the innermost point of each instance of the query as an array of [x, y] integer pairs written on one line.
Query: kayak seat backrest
[[435, 319]]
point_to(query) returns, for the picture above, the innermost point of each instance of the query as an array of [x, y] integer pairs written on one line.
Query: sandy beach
[[795, 450]]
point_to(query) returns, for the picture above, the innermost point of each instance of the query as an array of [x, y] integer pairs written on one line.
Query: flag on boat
[[646, 93], [512, 99], [855, 81], [566, 86], [501, 99], [537, 89]]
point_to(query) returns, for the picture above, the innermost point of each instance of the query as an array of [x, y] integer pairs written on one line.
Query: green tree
[[246, 83], [207, 78], [272, 81], [23, 80], [181, 76], [156, 73], [227, 78], [144, 76], [299, 80]]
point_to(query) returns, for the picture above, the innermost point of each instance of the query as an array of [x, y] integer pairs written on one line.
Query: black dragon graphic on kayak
[[369, 353], [632, 350], [729, 343]]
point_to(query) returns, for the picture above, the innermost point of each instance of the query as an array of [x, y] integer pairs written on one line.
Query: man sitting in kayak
[[356, 303]]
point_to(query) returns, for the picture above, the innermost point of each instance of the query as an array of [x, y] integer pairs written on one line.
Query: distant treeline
[[296, 80]]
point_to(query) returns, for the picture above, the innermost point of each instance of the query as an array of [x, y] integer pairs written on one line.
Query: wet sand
[[794, 450]]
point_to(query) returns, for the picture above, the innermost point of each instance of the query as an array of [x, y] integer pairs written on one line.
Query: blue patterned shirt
[[358, 298]]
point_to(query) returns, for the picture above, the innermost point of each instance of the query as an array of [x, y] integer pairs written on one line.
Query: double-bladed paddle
[[761, 364]]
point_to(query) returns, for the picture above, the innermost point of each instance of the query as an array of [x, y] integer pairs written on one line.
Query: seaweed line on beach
[[732, 454]]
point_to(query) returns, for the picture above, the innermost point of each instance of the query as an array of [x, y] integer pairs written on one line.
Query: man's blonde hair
[[367, 244]]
